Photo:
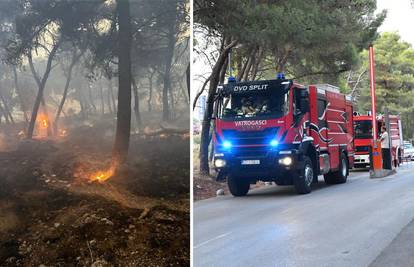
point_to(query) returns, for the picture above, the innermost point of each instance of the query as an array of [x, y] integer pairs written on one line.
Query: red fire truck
[[283, 132], [363, 138]]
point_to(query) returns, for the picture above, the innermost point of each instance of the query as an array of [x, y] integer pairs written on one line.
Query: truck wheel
[[340, 176], [304, 181], [238, 186]]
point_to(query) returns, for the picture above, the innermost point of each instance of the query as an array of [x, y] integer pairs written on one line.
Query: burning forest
[[94, 133]]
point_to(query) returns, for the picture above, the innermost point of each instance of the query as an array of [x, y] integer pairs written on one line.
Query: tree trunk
[[45, 111], [188, 80], [197, 96], [41, 83], [111, 94], [75, 58], [19, 95], [283, 60], [7, 112], [150, 91], [205, 131], [172, 103], [123, 123], [136, 106], [184, 93], [256, 64], [108, 98], [249, 65], [82, 107], [91, 99], [223, 71], [243, 70], [3, 114], [101, 94], [166, 113]]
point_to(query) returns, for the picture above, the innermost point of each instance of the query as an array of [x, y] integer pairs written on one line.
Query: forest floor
[[206, 186], [52, 214]]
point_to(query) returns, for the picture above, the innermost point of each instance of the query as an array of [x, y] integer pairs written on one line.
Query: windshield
[[363, 129], [241, 106], [408, 146]]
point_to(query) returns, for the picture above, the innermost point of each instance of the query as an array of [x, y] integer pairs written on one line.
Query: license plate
[[250, 162]]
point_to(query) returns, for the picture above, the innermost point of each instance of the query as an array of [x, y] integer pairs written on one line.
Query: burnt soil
[[51, 214], [206, 186]]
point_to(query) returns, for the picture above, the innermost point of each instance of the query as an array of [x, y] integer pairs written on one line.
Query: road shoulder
[[400, 252]]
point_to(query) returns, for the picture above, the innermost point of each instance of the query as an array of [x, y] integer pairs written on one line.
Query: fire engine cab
[[363, 138], [283, 132]]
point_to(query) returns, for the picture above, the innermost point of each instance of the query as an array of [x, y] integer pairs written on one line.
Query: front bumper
[[361, 160], [408, 155], [270, 167]]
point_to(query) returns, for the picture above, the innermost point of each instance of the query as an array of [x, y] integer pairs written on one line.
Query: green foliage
[[303, 38], [394, 66]]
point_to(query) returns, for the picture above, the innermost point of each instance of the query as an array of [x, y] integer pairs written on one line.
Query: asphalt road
[[341, 225], [400, 252]]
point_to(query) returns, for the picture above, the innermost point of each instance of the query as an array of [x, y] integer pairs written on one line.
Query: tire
[[238, 187], [340, 176], [303, 181]]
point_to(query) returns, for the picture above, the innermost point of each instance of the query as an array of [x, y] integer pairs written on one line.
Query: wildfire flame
[[102, 176], [63, 132], [42, 125]]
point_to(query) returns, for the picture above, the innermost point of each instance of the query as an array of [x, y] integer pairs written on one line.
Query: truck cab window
[[321, 108], [300, 101], [255, 105]]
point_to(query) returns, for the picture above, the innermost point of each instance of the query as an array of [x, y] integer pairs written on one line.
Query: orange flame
[[102, 176], [63, 132], [42, 125]]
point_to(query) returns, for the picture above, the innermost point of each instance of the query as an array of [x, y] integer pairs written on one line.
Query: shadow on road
[[285, 191], [360, 170]]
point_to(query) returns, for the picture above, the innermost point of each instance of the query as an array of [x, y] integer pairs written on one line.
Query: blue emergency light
[[231, 79], [274, 143], [280, 76], [227, 144]]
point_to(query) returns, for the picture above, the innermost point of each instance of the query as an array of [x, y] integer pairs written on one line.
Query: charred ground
[[52, 214]]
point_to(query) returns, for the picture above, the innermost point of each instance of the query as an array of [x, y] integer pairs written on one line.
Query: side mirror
[[304, 101], [304, 105]]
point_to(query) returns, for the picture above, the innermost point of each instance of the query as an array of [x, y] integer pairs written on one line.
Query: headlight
[[285, 161], [220, 163]]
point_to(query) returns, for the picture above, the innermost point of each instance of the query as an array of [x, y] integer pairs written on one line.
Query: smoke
[[3, 142]]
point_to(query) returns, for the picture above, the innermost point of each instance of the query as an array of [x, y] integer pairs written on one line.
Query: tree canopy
[[302, 38], [41, 34], [394, 67]]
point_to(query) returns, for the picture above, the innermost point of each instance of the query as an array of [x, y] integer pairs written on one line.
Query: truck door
[[322, 125], [350, 133], [324, 161]]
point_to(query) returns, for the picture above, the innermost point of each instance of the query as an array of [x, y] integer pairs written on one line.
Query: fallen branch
[[90, 251]]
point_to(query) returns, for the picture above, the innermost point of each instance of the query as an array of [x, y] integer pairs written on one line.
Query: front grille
[[250, 144], [250, 152], [362, 149], [239, 138]]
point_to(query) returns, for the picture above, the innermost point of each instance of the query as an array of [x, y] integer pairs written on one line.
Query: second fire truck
[[363, 138]]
